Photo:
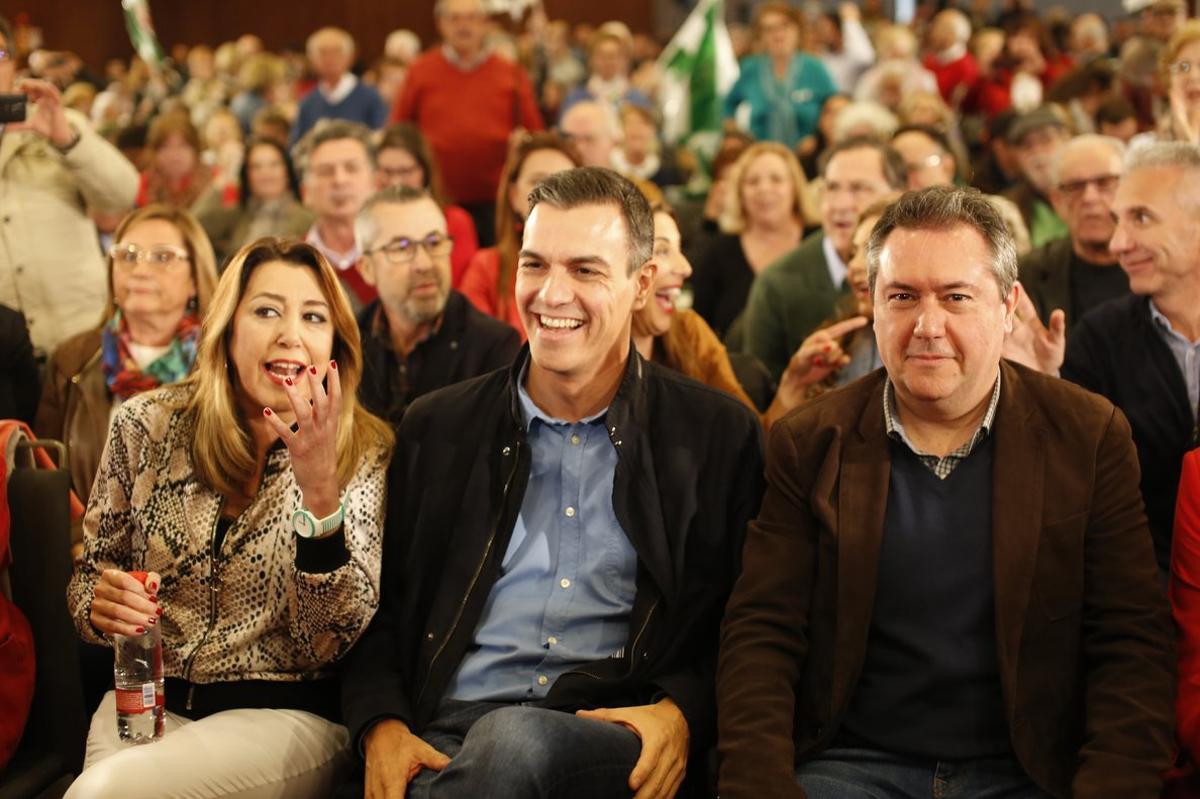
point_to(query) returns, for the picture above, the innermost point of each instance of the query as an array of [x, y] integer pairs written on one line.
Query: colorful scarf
[[121, 371]]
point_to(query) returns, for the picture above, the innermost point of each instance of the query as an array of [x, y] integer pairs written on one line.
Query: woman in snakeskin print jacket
[[252, 494]]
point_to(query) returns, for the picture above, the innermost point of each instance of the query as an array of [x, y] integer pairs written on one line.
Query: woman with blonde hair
[[161, 276], [490, 278], [252, 496], [765, 213]]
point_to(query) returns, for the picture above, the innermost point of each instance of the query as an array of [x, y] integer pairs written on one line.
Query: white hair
[[402, 44], [860, 114], [1086, 140], [1156, 155], [611, 121], [346, 39]]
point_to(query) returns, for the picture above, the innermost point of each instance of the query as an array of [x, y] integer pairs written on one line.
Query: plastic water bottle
[[138, 674]]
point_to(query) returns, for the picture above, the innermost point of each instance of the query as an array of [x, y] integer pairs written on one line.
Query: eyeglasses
[[1105, 184], [400, 173], [928, 161], [5, 56], [1181, 67], [401, 251], [129, 255]]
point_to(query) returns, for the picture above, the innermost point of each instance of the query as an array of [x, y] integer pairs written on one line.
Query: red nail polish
[[288, 380], [266, 411], [158, 611], [333, 365], [154, 599], [153, 620], [141, 629], [312, 370]]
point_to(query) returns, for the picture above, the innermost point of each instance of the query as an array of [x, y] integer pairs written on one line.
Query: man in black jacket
[[1142, 352], [561, 540], [420, 334]]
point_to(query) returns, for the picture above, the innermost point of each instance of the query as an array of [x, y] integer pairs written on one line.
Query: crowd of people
[[475, 439]]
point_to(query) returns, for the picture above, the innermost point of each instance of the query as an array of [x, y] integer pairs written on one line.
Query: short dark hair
[[590, 185], [895, 172], [929, 132], [365, 227], [327, 130], [943, 208], [293, 180]]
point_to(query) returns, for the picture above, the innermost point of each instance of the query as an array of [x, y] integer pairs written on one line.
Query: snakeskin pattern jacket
[[245, 610]]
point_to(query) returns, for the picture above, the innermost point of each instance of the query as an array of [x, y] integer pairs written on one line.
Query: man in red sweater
[[467, 101], [949, 59]]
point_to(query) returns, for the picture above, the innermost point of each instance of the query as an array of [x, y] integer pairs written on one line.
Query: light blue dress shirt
[[568, 578], [1187, 354]]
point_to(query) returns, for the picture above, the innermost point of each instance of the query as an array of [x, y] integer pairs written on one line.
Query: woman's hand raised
[[313, 444]]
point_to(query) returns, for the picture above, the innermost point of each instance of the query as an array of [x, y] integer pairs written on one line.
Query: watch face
[[303, 524]]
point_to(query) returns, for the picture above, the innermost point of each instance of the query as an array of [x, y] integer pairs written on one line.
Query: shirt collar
[[341, 91], [466, 66], [530, 411], [837, 267], [951, 54], [1165, 327], [341, 260], [895, 430]]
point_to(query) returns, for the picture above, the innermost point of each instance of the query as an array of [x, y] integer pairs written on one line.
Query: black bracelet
[[69, 146]]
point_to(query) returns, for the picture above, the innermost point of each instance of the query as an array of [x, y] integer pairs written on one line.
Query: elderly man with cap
[[1036, 138]]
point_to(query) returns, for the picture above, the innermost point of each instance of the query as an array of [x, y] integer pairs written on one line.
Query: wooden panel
[[95, 29]]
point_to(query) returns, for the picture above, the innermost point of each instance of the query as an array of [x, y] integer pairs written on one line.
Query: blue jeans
[[499, 751], [845, 773]]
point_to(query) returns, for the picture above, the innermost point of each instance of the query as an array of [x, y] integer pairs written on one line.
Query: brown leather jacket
[[75, 409]]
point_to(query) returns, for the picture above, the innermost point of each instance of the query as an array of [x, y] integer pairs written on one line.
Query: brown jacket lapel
[[1018, 477], [862, 504]]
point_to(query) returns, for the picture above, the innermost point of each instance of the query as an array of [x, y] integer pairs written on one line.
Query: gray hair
[[943, 208], [439, 8], [1172, 154], [365, 226], [865, 114], [310, 45], [327, 130], [592, 185], [1084, 140]]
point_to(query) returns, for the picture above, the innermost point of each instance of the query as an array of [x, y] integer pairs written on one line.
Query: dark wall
[[95, 29]]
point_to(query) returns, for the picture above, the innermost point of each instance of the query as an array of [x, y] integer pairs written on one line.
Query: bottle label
[[136, 700]]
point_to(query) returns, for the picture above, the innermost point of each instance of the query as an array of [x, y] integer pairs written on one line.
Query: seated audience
[[898, 72], [763, 219], [337, 163], [420, 334], [608, 499], [54, 170], [339, 94], [951, 580], [1079, 272], [1037, 139], [268, 202], [798, 292], [161, 278], [176, 175], [259, 79], [608, 80], [252, 494], [595, 131], [489, 279], [952, 65], [779, 93], [404, 158], [1138, 350], [641, 155]]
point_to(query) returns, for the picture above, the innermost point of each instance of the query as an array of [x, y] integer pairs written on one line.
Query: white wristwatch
[[306, 525]]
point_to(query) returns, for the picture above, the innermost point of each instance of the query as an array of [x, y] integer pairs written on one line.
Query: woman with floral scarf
[[161, 276]]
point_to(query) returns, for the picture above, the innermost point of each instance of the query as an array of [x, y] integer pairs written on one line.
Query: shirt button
[[575, 439], [542, 680], [565, 583], [570, 512], [552, 640]]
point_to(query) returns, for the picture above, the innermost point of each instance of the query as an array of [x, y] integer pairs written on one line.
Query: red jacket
[[479, 284], [1185, 603]]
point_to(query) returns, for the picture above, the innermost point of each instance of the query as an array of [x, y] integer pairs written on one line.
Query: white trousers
[[249, 754]]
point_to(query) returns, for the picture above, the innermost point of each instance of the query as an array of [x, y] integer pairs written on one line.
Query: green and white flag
[[698, 70], [141, 31]]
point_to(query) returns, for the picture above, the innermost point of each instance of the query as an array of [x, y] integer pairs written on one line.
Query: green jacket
[[788, 301]]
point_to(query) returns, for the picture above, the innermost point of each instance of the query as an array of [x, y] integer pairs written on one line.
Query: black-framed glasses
[[128, 255], [1105, 184], [403, 250]]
